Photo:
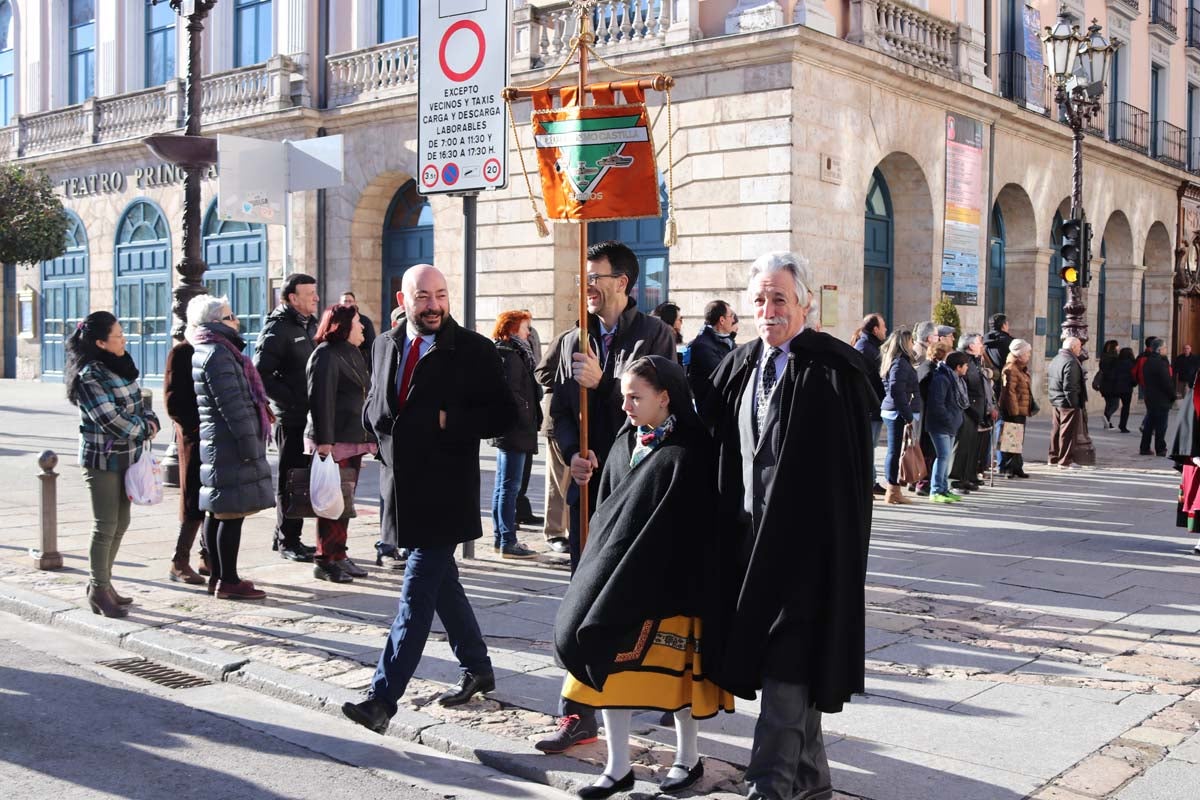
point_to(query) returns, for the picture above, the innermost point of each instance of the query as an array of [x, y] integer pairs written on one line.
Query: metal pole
[[47, 556], [470, 220], [585, 42]]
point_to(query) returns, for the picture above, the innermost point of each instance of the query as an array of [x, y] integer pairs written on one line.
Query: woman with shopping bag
[[337, 388], [235, 422], [115, 428], [1016, 400]]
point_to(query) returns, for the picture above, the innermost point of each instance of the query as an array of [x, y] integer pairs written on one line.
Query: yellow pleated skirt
[[662, 671]]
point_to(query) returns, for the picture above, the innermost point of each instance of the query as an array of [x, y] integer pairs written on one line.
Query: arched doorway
[[645, 238], [993, 301], [877, 248], [64, 298], [236, 254], [142, 286], [407, 240], [1056, 293]]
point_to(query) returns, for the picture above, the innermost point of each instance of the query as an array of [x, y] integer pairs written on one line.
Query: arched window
[[251, 32], [236, 255], [994, 299], [160, 43], [81, 49], [64, 298], [142, 286], [1056, 294], [877, 248], [8, 83], [397, 19], [645, 238], [407, 239]]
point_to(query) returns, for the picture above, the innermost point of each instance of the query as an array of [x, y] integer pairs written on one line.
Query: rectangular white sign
[[257, 174], [462, 120]]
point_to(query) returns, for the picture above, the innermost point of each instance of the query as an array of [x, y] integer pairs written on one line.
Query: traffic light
[[1072, 253]]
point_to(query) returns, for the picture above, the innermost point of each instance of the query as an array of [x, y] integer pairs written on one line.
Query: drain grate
[[156, 673]]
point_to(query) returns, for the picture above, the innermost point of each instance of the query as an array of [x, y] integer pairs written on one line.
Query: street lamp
[[1079, 65], [194, 153]]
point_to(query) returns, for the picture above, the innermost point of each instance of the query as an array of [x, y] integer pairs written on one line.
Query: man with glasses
[[281, 356], [618, 333]]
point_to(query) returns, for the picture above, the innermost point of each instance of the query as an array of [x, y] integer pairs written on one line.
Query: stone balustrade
[[907, 33], [373, 72], [543, 33], [243, 92]]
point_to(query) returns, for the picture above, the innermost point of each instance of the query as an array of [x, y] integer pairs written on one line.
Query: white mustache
[[772, 321]]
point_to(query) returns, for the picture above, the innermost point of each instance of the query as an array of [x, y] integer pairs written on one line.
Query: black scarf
[[122, 366]]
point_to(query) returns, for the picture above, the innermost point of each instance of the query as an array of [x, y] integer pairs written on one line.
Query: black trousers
[[224, 538], [1155, 424], [565, 706], [290, 442], [1110, 407]]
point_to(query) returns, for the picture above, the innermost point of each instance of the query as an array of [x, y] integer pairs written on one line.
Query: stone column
[[106, 47], [218, 41], [366, 23], [292, 36], [685, 21], [1123, 286], [813, 14], [1159, 304], [133, 46], [56, 56], [29, 57], [864, 24], [1026, 280]]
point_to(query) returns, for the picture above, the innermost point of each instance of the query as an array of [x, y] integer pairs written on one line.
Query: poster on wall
[[1035, 71], [962, 233]]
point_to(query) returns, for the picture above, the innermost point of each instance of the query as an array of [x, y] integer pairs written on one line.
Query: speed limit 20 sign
[[462, 122]]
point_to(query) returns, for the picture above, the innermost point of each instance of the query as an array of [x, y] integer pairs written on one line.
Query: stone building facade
[[819, 128]]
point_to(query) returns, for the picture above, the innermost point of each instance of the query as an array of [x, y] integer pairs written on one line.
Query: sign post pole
[[470, 203]]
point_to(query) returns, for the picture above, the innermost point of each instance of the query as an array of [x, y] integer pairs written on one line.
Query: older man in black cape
[[790, 413]]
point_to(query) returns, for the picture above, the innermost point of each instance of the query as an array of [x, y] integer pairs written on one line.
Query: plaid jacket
[[113, 420]]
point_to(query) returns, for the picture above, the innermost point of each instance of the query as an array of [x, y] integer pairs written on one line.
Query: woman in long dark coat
[[643, 605], [965, 468], [179, 394], [235, 422]]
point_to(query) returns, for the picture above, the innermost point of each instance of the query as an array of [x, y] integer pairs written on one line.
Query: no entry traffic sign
[[462, 120]]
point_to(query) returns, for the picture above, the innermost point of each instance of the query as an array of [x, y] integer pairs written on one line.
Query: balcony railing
[[1129, 126], [244, 92], [907, 33], [1097, 124], [1034, 91], [620, 26], [1194, 155], [1162, 12], [384, 70], [1168, 144], [1193, 27]]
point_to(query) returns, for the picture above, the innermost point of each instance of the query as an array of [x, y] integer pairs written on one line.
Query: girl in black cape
[[642, 615]]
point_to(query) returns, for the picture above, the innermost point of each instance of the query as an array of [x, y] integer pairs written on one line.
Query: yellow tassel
[[539, 222], [670, 234]]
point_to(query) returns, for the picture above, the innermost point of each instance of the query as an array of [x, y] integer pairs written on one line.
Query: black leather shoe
[[295, 553], [559, 545], [309, 548], [694, 774], [532, 520], [352, 569], [372, 714], [468, 686], [330, 571], [599, 792]]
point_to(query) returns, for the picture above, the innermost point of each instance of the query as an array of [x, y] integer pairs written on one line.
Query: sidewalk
[[1040, 639]]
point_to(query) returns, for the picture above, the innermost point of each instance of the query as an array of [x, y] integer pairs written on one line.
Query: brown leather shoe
[[183, 573], [121, 599], [242, 590], [102, 602]]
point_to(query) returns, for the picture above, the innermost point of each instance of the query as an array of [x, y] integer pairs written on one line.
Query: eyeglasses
[[229, 317], [593, 277]]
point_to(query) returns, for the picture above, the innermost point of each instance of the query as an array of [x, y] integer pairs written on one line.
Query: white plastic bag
[[325, 488], [144, 480]]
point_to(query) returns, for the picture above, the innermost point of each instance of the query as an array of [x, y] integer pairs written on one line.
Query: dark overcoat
[[435, 471], [179, 395], [800, 593]]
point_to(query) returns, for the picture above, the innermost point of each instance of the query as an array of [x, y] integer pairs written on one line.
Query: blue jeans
[[943, 444], [430, 585], [510, 466], [895, 447], [876, 425]]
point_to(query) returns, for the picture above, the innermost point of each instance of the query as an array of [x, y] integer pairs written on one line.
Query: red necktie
[[410, 366]]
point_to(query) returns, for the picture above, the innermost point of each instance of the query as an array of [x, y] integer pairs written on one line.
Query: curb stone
[[179, 651], [32, 605]]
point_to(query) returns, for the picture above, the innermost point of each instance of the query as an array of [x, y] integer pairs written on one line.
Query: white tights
[[617, 725]]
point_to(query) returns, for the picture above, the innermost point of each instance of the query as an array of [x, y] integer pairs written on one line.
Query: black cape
[[800, 606], [652, 548]]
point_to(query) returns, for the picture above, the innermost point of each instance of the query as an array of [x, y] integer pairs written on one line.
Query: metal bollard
[[48, 556]]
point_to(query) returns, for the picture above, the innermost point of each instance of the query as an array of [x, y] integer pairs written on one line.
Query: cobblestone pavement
[[1040, 639]]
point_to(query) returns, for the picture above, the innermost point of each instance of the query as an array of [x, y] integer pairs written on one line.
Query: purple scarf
[[206, 335]]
